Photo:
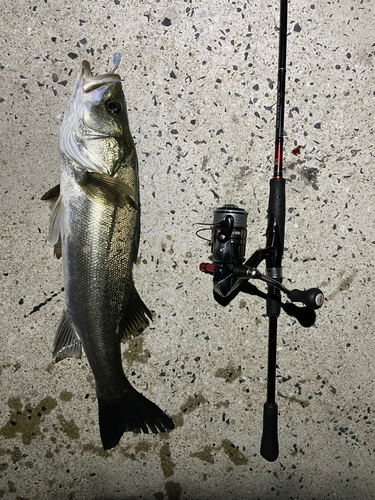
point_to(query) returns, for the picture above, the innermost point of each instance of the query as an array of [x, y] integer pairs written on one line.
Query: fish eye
[[113, 107]]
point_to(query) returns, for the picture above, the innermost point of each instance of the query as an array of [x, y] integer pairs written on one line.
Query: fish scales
[[97, 218], [98, 280]]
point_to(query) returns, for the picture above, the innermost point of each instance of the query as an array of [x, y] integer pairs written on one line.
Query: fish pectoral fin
[[134, 320], [52, 194], [107, 189], [67, 342]]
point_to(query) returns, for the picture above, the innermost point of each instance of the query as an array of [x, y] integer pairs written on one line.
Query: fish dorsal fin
[[52, 194], [134, 320], [67, 342]]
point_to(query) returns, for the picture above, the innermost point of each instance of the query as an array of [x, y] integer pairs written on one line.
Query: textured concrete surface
[[199, 78]]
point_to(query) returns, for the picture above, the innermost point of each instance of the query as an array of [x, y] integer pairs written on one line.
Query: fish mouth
[[90, 82]]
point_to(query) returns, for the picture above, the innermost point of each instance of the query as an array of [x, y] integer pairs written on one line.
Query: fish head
[[95, 131]]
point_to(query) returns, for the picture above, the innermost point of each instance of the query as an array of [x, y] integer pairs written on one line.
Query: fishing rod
[[230, 270]]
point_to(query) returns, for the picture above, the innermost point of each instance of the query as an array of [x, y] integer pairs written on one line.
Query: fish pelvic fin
[[53, 195], [134, 320], [130, 412], [67, 342], [107, 189], [57, 248], [57, 223]]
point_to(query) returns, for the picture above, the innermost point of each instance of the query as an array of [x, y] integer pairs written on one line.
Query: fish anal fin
[[107, 189], [134, 320], [67, 342]]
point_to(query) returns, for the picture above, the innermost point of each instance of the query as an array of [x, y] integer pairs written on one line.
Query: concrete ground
[[200, 83]]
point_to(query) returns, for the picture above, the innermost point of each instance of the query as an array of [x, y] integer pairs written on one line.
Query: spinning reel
[[229, 269]]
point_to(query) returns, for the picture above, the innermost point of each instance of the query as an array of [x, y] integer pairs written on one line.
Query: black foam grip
[[276, 209], [273, 304], [269, 448]]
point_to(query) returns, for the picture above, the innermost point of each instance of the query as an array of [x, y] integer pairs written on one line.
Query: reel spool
[[229, 233]]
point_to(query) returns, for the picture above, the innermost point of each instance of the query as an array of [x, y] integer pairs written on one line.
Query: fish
[[96, 220]]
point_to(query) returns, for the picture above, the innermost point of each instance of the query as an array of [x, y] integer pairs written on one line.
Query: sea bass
[[97, 218]]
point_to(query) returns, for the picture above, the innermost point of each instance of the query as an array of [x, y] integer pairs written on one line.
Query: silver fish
[[97, 219]]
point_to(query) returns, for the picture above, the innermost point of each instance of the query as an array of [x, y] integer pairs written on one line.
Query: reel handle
[[312, 298]]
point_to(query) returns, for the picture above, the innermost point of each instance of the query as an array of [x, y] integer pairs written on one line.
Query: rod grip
[[269, 448], [276, 214]]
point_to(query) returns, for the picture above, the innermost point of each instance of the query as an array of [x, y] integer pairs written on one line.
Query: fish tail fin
[[130, 412]]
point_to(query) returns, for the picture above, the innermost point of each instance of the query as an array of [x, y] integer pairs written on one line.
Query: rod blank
[[275, 241]]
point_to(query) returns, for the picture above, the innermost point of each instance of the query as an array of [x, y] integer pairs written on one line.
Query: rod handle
[[312, 298], [269, 448]]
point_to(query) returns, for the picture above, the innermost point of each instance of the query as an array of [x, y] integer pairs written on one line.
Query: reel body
[[229, 269]]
